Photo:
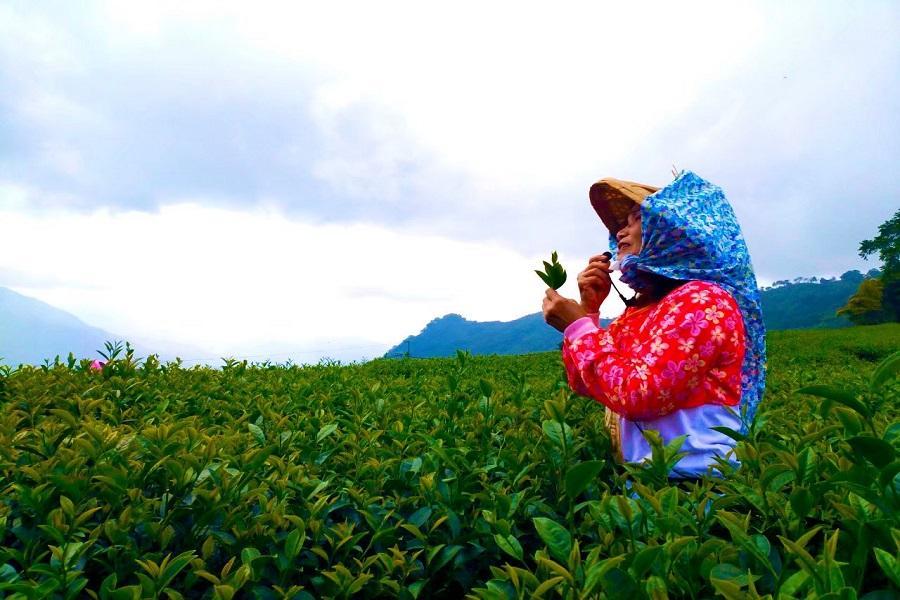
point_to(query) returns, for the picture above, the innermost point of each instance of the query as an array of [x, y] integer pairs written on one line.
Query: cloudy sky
[[325, 178]]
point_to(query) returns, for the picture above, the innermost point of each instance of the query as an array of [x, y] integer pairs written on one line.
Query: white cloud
[[513, 94], [230, 280], [470, 121]]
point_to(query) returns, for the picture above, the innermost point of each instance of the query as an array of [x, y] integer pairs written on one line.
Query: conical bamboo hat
[[613, 199]]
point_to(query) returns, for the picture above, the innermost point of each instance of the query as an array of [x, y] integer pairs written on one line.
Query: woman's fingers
[[602, 266], [594, 283], [593, 276], [596, 272]]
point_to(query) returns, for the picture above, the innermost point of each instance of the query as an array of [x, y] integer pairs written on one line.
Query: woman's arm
[[687, 354]]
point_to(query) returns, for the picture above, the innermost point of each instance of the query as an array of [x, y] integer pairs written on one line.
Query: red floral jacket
[[684, 351]]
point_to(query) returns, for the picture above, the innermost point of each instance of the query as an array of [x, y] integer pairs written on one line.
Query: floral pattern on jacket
[[690, 233], [684, 351]]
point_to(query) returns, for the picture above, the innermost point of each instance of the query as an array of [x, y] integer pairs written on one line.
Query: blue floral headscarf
[[690, 232]]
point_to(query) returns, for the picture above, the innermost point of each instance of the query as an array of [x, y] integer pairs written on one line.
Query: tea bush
[[478, 476]]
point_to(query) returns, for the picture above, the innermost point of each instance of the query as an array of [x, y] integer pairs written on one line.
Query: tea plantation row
[[438, 478]]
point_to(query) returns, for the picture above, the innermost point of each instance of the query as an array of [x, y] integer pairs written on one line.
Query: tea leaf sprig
[[553, 275]]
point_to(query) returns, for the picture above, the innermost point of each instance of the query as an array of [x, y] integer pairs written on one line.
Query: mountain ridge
[[445, 335], [804, 303], [32, 331]]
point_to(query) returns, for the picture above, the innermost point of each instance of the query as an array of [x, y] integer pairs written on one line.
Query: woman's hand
[[560, 312], [594, 283]]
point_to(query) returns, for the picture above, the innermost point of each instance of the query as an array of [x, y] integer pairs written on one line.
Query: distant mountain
[[32, 331], [447, 334], [810, 302], [799, 304]]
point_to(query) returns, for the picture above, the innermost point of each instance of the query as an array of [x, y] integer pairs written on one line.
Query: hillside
[[805, 303], [447, 334], [32, 331], [799, 304]]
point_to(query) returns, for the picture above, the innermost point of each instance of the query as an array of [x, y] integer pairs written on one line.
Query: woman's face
[[628, 239]]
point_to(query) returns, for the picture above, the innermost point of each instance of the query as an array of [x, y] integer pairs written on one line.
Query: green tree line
[[878, 299]]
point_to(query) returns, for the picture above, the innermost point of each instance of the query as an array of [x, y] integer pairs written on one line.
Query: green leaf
[[420, 517], [672, 449], [257, 433], [886, 370], [545, 278], [580, 476], [839, 395], [108, 585], [173, 568], [802, 501], [889, 565], [888, 473], [892, 433], [510, 545], [644, 560], [226, 592], [445, 556], [293, 543], [128, 592], [595, 573], [878, 452], [732, 574], [735, 435], [804, 559], [554, 274], [326, 431], [555, 536], [558, 433], [415, 588], [249, 554], [148, 588], [794, 584], [559, 279], [67, 506]]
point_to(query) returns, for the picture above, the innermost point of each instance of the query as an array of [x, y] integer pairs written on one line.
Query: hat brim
[[613, 199]]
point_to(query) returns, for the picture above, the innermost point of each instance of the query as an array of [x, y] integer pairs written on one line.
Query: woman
[[688, 353]]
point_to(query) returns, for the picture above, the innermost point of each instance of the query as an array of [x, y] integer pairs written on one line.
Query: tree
[[865, 307], [887, 246]]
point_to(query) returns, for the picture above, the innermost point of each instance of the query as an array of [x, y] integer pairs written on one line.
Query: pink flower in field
[[97, 365]]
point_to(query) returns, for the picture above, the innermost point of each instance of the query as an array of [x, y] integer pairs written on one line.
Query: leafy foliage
[[439, 478], [887, 246], [554, 275], [865, 307]]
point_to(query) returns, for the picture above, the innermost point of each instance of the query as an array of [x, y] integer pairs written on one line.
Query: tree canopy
[[887, 246], [865, 307]]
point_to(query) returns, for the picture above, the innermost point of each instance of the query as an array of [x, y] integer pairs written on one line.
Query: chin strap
[[627, 301]]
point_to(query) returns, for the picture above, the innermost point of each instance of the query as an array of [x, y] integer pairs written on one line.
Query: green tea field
[[442, 478]]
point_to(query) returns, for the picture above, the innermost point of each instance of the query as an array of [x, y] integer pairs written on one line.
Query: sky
[[323, 179]]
